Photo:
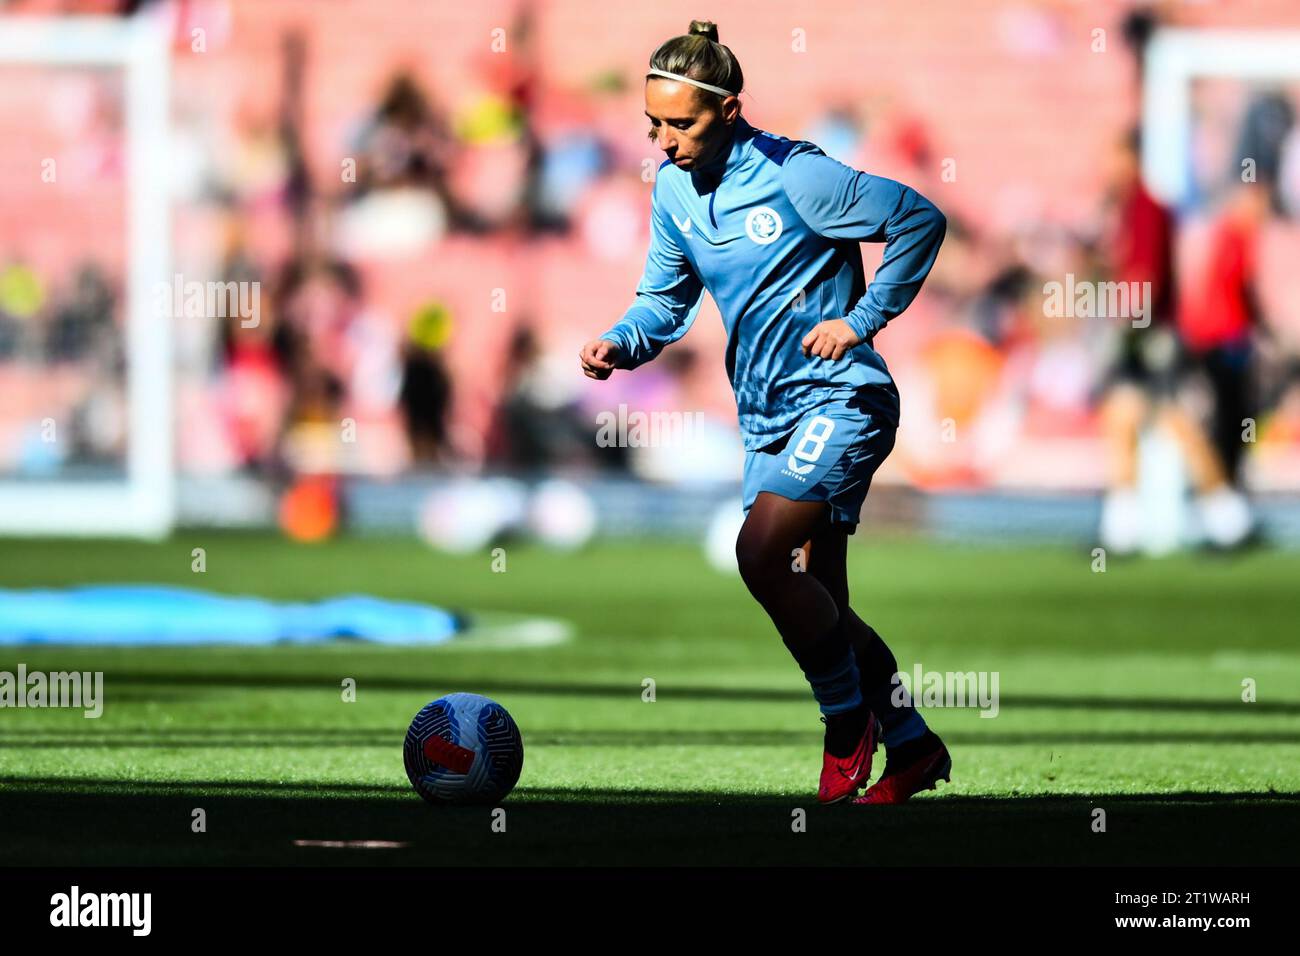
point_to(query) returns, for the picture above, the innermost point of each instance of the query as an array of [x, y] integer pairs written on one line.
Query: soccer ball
[[463, 748]]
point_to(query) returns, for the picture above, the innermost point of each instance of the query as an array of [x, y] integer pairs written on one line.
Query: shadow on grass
[[55, 821], [133, 684], [200, 737]]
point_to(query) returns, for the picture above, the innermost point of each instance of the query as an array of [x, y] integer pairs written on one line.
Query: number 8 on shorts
[[811, 445]]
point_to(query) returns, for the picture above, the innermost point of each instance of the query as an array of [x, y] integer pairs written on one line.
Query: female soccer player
[[771, 228]]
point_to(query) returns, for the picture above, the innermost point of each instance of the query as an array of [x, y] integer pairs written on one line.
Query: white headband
[[686, 79]]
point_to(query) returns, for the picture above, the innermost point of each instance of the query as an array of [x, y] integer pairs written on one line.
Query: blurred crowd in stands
[[358, 232]]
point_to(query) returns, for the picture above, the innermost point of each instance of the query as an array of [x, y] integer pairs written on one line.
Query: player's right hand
[[599, 358]]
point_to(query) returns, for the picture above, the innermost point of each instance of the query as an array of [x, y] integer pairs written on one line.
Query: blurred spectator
[[22, 295], [1265, 130], [408, 143], [82, 318], [537, 425], [318, 298], [254, 382], [1218, 317], [425, 395]]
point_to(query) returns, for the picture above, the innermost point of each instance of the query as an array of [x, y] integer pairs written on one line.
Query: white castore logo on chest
[[763, 224]]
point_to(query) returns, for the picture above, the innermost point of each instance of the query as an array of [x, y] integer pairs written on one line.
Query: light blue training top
[[772, 231]]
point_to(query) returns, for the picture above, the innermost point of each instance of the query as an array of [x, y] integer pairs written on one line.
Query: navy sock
[[837, 688], [832, 671], [888, 698]]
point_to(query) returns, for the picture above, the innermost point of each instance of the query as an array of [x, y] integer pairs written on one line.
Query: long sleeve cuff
[[864, 320]]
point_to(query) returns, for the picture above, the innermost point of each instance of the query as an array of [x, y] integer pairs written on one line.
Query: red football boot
[[843, 777], [899, 783]]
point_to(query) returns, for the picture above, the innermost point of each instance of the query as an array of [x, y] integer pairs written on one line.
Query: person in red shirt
[[1218, 317], [1141, 388]]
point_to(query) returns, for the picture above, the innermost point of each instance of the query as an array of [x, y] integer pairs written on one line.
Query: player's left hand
[[830, 339]]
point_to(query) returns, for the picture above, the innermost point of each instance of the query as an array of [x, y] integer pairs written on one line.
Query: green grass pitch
[[1119, 690]]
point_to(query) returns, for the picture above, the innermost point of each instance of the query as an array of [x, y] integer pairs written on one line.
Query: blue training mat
[[121, 614]]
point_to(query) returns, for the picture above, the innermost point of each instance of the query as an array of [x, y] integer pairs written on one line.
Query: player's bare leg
[[799, 605], [915, 754], [1123, 412], [1224, 511], [1203, 464], [807, 617]]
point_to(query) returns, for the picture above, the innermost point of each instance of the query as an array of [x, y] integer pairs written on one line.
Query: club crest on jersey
[[763, 224]]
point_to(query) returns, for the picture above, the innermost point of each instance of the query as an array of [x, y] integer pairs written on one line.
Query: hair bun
[[704, 28]]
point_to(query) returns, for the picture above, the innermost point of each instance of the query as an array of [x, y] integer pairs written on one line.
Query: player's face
[[689, 127]]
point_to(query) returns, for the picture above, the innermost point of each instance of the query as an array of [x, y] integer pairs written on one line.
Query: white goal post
[[1175, 58], [142, 503]]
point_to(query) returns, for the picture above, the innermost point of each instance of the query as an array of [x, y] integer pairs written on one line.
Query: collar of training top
[[716, 171]]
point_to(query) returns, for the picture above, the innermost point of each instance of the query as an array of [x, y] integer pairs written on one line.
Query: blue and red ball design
[[463, 748]]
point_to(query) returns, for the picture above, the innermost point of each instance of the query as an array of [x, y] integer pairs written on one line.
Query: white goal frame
[[1177, 57], [144, 504]]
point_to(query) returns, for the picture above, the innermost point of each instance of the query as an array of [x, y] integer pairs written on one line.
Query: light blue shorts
[[830, 456]]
